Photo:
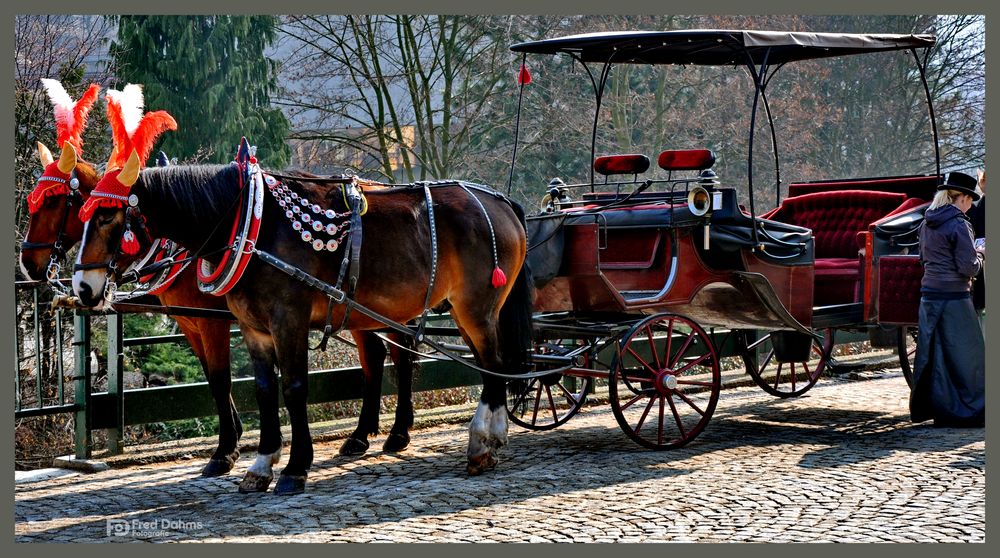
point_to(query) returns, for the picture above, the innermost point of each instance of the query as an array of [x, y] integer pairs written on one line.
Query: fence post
[[116, 362], [81, 376]]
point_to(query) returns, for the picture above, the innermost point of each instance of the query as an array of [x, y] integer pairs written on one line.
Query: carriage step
[[633, 295]]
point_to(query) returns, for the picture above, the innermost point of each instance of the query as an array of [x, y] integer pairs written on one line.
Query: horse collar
[[220, 279]]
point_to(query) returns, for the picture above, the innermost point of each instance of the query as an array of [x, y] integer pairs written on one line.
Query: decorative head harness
[[134, 135], [71, 118]]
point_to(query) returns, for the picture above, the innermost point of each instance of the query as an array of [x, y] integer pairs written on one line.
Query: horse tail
[[515, 321]]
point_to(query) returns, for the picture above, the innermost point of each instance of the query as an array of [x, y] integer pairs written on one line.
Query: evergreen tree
[[211, 74]]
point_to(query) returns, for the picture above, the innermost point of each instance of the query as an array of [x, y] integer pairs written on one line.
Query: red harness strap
[[169, 274], [219, 280]]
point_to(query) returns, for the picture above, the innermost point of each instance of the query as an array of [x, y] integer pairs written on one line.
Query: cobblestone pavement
[[842, 463]]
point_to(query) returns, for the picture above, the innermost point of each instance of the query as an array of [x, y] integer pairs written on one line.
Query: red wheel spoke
[[571, 397], [683, 349], [677, 418], [632, 401], [690, 403], [659, 425], [524, 394], [645, 413], [687, 366], [670, 341], [641, 361], [652, 347], [694, 383], [552, 404], [538, 401], [638, 380]]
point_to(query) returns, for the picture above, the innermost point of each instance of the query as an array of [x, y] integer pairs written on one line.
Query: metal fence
[[54, 373], [54, 376]]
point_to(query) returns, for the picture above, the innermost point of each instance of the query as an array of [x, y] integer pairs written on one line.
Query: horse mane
[[201, 193]]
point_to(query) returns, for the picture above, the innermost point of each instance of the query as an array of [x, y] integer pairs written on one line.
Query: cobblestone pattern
[[843, 463]]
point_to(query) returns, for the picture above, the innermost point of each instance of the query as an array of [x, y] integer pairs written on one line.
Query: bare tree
[[397, 95], [70, 49]]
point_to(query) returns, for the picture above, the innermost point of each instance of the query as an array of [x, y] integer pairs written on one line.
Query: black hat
[[961, 182]]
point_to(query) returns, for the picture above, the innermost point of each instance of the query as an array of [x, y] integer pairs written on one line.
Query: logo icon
[[118, 527]]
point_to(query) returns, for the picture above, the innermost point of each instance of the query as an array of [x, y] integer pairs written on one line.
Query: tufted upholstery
[[899, 289], [922, 187], [836, 218]]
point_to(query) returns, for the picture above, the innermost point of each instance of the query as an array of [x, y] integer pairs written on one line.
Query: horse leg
[[488, 429], [209, 340], [215, 344], [371, 352], [262, 354], [405, 363], [292, 351]]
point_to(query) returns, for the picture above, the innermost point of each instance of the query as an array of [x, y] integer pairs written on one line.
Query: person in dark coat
[[950, 366], [977, 215]]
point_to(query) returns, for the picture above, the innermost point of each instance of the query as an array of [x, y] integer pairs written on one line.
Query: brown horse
[[54, 228], [275, 312]]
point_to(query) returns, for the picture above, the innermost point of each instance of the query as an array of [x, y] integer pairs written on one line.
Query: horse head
[[115, 233], [64, 185]]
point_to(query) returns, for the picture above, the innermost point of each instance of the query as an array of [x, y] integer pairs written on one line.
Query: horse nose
[[85, 294]]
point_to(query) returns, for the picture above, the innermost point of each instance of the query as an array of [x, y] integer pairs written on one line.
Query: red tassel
[[130, 244], [523, 77], [499, 278]]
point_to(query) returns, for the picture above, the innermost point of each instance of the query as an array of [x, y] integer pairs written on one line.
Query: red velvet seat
[[836, 218], [899, 283]]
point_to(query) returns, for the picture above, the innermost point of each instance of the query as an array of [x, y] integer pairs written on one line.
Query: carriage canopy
[[713, 47]]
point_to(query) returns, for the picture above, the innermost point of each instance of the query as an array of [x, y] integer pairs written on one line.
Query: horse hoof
[[218, 466], [354, 446], [290, 484], [252, 482], [480, 464], [396, 443]]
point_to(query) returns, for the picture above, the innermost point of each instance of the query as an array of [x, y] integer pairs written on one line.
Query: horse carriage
[[633, 271], [638, 284]]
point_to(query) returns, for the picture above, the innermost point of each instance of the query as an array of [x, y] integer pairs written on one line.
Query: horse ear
[[67, 160], [130, 172], [44, 154]]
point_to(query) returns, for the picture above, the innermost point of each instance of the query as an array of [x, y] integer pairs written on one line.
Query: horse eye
[[104, 221]]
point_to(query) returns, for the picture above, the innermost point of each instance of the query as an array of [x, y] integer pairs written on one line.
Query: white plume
[[61, 101], [131, 101]]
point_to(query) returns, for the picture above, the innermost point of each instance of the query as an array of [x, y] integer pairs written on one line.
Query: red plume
[[118, 133], [152, 125], [144, 134], [71, 118]]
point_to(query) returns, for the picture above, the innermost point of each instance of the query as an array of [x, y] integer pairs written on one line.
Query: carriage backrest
[[686, 159], [836, 217], [621, 164], [922, 187]]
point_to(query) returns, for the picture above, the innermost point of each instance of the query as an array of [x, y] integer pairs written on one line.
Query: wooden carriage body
[[833, 254]]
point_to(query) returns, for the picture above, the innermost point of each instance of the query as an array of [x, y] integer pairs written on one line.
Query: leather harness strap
[[434, 263], [350, 266]]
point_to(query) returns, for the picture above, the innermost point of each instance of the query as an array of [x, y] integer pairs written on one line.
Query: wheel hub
[[666, 382]]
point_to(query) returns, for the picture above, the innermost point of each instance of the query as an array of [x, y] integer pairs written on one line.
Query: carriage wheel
[[548, 401], [787, 379], [664, 381], [906, 348]]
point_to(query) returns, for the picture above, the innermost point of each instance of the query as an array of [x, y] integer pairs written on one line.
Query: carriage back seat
[[836, 218], [922, 187]]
